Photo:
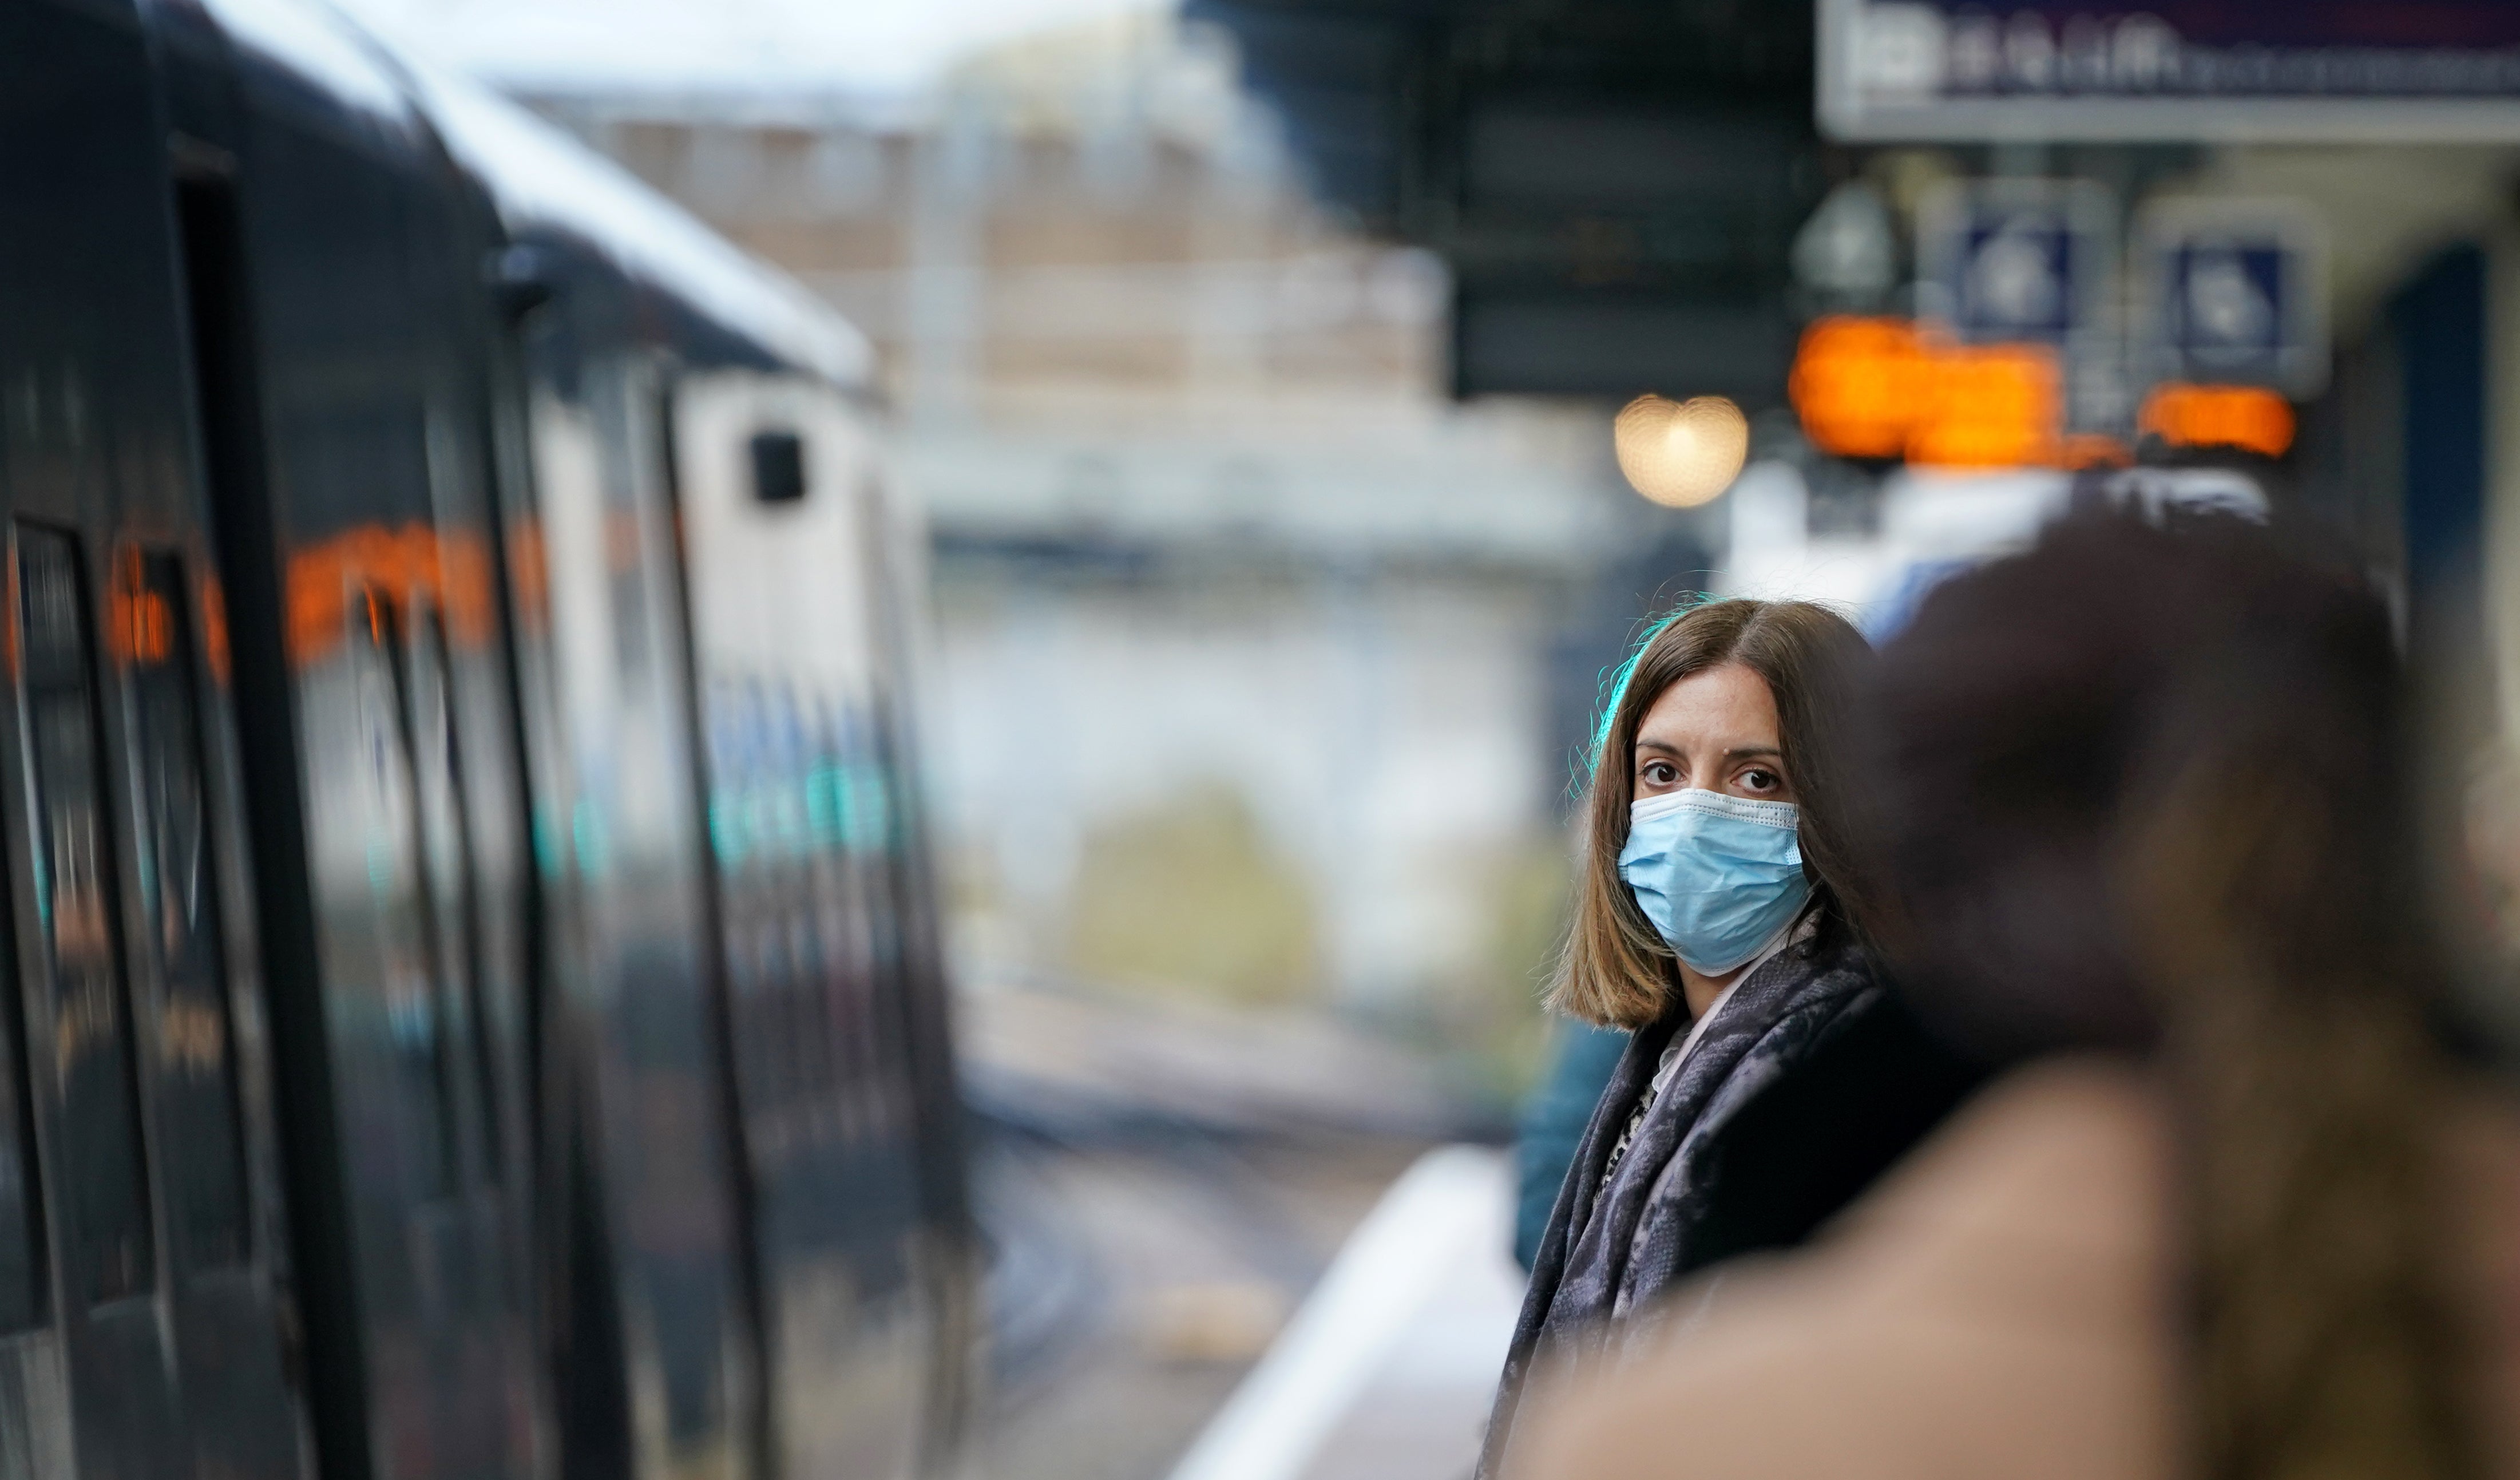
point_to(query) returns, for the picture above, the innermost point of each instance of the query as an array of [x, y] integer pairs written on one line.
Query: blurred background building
[[1246, 628]]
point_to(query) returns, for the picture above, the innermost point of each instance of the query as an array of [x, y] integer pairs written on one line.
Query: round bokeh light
[[1682, 452]]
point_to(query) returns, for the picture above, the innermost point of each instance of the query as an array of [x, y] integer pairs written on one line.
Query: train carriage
[[475, 1004]]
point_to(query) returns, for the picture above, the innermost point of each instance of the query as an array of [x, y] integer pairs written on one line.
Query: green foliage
[[1491, 1028], [1190, 896]]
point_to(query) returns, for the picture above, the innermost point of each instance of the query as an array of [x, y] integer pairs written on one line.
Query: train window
[[104, 1183], [446, 830], [415, 1015], [204, 1166], [778, 467]]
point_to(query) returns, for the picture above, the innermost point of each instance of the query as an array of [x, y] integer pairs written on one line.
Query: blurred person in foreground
[[1768, 1076], [2143, 803]]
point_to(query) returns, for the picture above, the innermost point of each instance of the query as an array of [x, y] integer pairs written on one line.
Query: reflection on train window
[[22, 1219], [406, 950], [105, 1186], [453, 904], [205, 1161], [876, 808], [784, 878], [752, 962]]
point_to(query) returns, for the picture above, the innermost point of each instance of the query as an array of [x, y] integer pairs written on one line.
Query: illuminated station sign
[[2054, 328], [1891, 390], [2225, 301], [2015, 361], [2219, 70], [1873, 387]]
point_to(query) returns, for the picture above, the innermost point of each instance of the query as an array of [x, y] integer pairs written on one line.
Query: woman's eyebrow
[[1756, 750], [1655, 745]]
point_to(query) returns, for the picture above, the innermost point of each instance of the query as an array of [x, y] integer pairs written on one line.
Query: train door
[[664, 1297], [143, 1295], [81, 1011], [951, 1260], [332, 284], [773, 475]]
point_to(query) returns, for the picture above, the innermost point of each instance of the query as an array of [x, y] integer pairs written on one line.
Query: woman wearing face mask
[[2236, 1207], [1769, 1076]]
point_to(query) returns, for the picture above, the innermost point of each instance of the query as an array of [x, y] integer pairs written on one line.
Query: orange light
[[2246, 416], [139, 627], [1856, 384], [395, 565], [1989, 406], [1871, 387], [152, 628], [214, 628]]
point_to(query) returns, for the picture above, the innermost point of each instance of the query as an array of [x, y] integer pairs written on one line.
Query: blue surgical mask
[[1719, 875]]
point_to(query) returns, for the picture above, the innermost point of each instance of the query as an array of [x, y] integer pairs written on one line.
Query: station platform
[[1387, 1369]]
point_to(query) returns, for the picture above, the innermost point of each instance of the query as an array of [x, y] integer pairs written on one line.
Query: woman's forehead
[[1728, 706]]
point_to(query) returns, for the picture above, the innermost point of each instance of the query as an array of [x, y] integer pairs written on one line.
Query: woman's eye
[[1661, 774], [1759, 781]]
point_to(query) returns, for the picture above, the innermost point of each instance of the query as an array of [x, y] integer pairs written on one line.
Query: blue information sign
[[2234, 291], [2016, 259]]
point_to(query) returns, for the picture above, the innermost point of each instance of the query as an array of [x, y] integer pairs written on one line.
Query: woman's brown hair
[[2142, 789], [1616, 969]]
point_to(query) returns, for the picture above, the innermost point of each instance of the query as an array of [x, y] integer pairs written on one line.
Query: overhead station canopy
[[1614, 183], [1334, 72]]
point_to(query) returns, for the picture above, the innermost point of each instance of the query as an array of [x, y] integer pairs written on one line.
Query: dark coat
[[1810, 1082]]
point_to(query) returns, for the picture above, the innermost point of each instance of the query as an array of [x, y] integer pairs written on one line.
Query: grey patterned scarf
[[1614, 1246]]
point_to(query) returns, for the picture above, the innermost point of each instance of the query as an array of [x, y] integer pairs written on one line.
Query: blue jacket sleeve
[[1581, 1059]]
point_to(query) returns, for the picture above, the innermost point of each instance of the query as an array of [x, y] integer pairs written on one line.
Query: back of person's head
[[1616, 970], [2142, 789]]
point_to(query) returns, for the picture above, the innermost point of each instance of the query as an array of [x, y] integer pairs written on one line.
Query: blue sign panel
[[2015, 259], [2237, 292], [2016, 276], [2226, 299], [2225, 70]]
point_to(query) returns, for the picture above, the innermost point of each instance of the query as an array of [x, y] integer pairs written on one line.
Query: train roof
[[541, 178], [542, 181]]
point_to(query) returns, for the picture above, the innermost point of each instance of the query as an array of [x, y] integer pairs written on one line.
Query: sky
[[870, 48]]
